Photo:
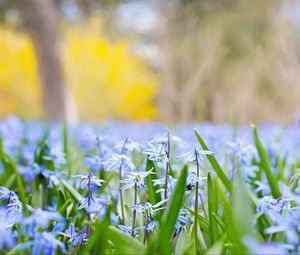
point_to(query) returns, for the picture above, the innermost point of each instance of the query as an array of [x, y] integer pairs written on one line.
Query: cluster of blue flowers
[[72, 181]]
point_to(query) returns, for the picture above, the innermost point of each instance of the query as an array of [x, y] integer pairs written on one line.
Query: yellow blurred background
[[107, 81], [172, 61]]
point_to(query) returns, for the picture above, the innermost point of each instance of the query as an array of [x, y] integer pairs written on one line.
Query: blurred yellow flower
[[107, 80], [19, 90]]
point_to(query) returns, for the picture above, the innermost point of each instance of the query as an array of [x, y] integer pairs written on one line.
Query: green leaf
[[294, 182], [153, 196], [21, 188], [66, 147], [169, 218], [203, 222], [219, 220], [38, 150], [9, 183], [41, 152], [183, 244], [216, 249], [266, 165], [98, 239], [75, 194], [215, 164], [212, 209], [66, 139], [63, 208], [60, 199], [11, 176], [124, 244], [242, 215]]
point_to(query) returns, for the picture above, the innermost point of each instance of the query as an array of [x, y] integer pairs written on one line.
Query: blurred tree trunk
[[166, 12], [40, 18]]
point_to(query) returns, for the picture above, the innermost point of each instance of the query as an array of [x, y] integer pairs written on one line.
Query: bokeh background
[[164, 60]]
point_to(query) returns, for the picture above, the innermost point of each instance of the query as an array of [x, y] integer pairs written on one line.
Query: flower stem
[[120, 190], [196, 205], [145, 233], [121, 197], [89, 201], [134, 211], [98, 147], [167, 168], [89, 189]]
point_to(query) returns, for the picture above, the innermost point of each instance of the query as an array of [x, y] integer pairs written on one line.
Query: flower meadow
[[123, 188]]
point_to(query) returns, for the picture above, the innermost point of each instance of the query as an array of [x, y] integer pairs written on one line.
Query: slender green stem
[[167, 168], [89, 201], [196, 204], [98, 148], [134, 211], [89, 189], [202, 204], [145, 233], [120, 190], [121, 197]]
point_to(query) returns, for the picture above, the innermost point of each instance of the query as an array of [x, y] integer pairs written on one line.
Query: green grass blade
[[242, 214], [63, 208], [215, 164], [98, 241], [60, 199], [75, 194], [203, 222], [216, 249], [169, 218], [153, 196], [12, 175], [266, 165], [124, 244], [66, 147], [219, 220], [212, 209]]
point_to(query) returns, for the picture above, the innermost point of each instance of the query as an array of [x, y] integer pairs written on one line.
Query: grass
[[244, 203]]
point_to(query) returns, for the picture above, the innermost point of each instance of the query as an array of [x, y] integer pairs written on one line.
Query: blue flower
[[149, 227], [243, 150], [94, 204], [269, 205], [249, 172], [182, 220], [268, 248], [40, 219], [192, 179], [5, 193], [128, 146], [196, 154], [118, 161], [156, 153], [127, 230], [14, 206], [135, 178], [44, 242], [94, 163], [167, 137], [90, 179], [57, 155], [114, 219], [74, 237], [171, 184], [262, 186], [6, 235], [289, 224], [148, 209]]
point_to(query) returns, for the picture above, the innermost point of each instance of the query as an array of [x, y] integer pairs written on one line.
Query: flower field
[[123, 188]]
